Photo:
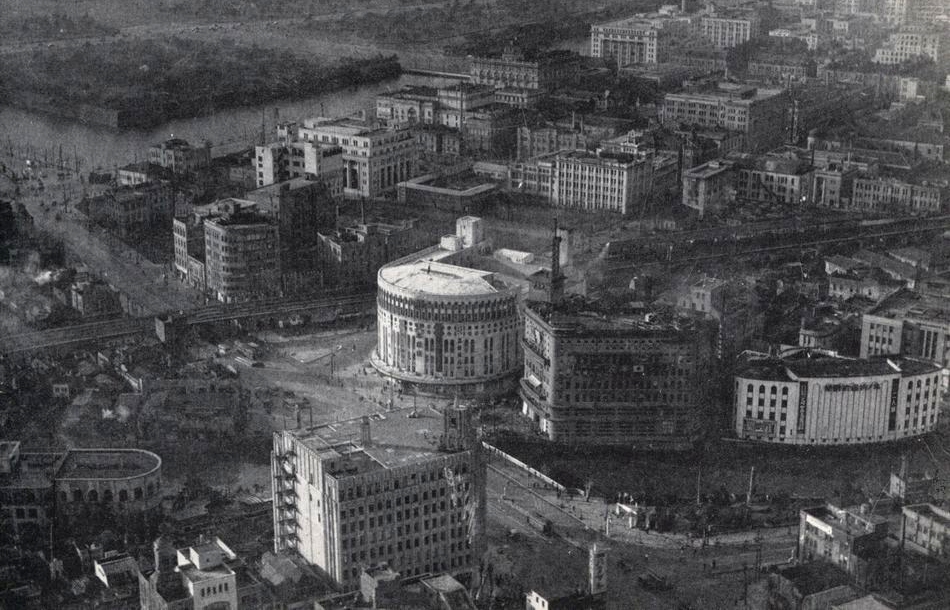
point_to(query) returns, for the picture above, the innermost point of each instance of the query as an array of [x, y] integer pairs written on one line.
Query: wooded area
[[179, 78]]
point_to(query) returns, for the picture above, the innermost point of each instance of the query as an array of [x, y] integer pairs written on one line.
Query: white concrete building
[[374, 159], [406, 488], [824, 400]]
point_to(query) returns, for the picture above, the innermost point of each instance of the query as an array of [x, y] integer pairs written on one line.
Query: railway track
[[111, 329]]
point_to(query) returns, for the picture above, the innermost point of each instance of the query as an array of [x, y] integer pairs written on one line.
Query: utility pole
[[748, 498], [699, 476]]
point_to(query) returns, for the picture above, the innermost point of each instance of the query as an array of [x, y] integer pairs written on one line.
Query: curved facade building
[[130, 480], [825, 400], [446, 329]]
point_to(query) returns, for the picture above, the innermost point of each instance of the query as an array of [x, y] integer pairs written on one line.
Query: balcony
[[529, 346]]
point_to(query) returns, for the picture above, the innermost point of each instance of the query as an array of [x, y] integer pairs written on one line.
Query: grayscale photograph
[[474, 304]]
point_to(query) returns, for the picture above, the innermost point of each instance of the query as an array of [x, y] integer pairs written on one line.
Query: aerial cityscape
[[475, 305]]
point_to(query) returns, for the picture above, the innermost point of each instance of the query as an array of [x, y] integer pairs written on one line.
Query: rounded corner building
[[446, 329]]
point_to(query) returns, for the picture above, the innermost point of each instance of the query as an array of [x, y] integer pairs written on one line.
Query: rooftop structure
[[385, 480], [435, 301]]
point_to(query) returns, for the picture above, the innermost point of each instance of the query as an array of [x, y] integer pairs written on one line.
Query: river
[[227, 130]]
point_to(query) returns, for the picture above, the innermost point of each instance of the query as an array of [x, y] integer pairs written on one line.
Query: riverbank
[[145, 83]]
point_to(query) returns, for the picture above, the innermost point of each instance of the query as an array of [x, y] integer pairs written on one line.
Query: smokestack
[[557, 281], [366, 439]]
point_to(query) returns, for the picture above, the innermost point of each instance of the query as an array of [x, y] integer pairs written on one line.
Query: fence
[[516, 462]]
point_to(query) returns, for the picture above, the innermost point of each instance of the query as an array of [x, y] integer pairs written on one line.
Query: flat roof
[[908, 304], [440, 279], [775, 369], [107, 463], [400, 437], [930, 511]]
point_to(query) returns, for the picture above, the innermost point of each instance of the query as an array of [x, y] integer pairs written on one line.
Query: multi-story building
[[637, 40], [915, 41], [199, 577], [633, 380], [825, 400], [883, 194], [40, 488], [408, 106], [908, 324], [300, 209], [444, 328], [242, 254], [513, 70], [547, 139], [430, 105], [132, 210], [926, 529], [289, 159], [758, 113], [709, 187], [462, 193], [871, 284], [353, 255], [179, 156], [374, 159], [601, 181], [772, 178], [840, 536], [407, 489], [780, 69], [729, 30]]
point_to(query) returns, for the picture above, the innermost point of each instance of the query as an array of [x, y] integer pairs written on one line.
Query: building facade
[[926, 529], [179, 156], [445, 328], [709, 187], [908, 324], [242, 256], [633, 381], [827, 400], [758, 113], [38, 489], [354, 254], [913, 42], [638, 40], [374, 159], [840, 536], [289, 159], [515, 71], [359, 493], [879, 194], [727, 31]]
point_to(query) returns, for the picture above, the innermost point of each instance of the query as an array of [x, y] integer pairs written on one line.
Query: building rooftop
[[906, 304], [107, 463], [815, 365], [930, 511], [398, 438], [850, 521], [580, 315], [814, 577], [737, 94], [709, 169], [436, 278]]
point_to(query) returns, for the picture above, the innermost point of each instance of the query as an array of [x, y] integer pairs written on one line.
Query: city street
[[147, 285]]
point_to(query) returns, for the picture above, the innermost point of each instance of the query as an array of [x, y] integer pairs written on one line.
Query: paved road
[[145, 284]]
